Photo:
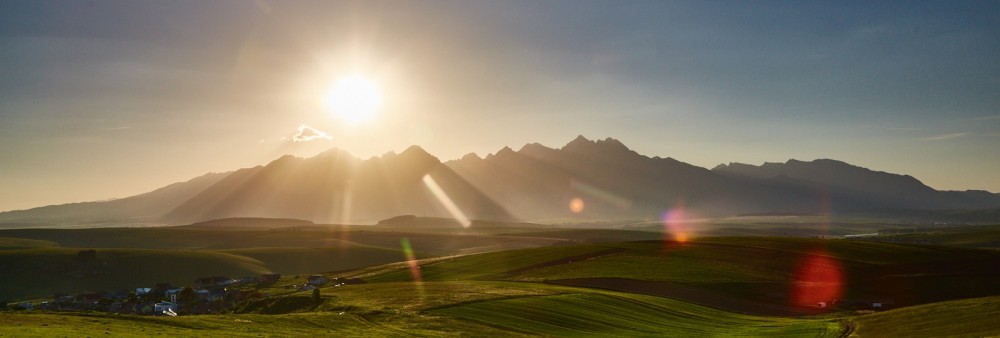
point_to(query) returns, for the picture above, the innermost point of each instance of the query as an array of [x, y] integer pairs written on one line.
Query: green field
[[974, 317], [41, 262], [513, 281], [437, 309]]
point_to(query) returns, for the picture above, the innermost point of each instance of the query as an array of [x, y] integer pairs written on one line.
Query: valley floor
[[712, 286]]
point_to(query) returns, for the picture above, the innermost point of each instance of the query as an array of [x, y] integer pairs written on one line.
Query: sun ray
[[446, 201]]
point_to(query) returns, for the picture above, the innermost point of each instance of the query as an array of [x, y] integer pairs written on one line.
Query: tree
[[315, 296], [186, 295]]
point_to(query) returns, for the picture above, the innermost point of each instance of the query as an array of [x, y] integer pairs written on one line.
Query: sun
[[355, 99]]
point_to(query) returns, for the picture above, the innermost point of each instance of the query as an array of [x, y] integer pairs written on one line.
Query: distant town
[[206, 295]]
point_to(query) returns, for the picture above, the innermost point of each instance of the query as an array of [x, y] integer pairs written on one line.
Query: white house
[[165, 307], [172, 294]]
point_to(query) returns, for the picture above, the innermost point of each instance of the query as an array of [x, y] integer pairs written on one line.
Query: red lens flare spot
[[818, 281], [576, 205], [681, 237], [676, 222]]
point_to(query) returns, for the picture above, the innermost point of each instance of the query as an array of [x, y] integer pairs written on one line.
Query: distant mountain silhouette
[[877, 189], [584, 179], [335, 187], [537, 182], [139, 209]]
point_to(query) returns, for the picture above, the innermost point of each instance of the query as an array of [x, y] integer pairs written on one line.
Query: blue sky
[[103, 99]]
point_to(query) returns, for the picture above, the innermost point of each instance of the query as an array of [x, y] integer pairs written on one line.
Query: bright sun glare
[[355, 99]]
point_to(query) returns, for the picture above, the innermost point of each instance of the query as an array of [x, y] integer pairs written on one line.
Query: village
[[207, 295]]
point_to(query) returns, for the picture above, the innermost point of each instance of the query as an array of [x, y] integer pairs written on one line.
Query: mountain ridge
[[604, 179]]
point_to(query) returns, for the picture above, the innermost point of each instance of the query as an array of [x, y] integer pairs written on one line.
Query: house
[[201, 294], [307, 287], [216, 294], [205, 282], [142, 291], [172, 294], [316, 280], [249, 280], [62, 298], [165, 308]]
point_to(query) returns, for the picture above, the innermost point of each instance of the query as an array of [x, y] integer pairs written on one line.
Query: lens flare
[[681, 237], [411, 259], [600, 194], [446, 201], [576, 205], [818, 280], [676, 222], [414, 265]]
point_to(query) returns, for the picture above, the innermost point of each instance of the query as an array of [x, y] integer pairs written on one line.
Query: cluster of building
[[208, 295]]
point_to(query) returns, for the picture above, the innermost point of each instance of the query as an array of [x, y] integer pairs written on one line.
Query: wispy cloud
[[946, 137], [307, 133], [986, 118]]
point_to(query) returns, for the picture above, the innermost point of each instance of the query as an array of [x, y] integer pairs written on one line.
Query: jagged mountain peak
[[505, 151], [415, 150], [471, 157], [612, 142], [606, 146], [534, 146], [578, 140]]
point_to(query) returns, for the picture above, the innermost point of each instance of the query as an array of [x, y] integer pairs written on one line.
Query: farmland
[[522, 280]]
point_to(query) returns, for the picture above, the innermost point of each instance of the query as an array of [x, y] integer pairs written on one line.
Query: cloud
[[945, 137], [307, 133], [986, 118]]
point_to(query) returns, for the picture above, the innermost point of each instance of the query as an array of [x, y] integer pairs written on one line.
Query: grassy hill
[[747, 274], [43, 272], [536, 282], [438, 309], [40, 262], [974, 317]]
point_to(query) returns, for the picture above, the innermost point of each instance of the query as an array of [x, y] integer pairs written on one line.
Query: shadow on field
[[685, 293]]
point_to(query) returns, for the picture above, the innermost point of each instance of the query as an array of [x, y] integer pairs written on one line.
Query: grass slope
[[43, 272], [435, 309], [289, 261], [501, 294], [974, 317], [606, 314]]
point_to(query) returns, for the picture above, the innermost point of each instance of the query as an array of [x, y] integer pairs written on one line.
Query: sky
[[108, 99]]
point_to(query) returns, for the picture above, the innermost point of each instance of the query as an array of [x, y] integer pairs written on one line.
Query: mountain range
[[583, 180]]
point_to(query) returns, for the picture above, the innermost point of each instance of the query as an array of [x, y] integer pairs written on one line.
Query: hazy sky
[[102, 99]]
